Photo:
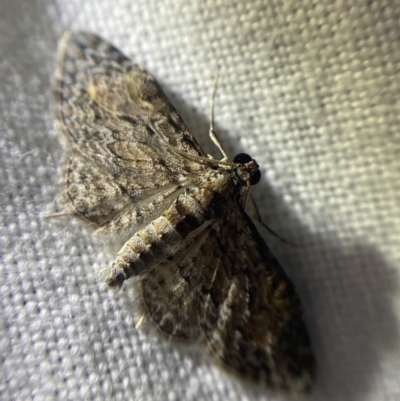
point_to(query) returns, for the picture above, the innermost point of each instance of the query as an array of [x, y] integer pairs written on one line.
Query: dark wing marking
[[104, 105], [225, 287]]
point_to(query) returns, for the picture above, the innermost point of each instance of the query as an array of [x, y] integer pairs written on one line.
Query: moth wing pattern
[[236, 299], [105, 103], [218, 283]]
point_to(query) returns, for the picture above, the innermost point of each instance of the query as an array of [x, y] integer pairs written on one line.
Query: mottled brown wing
[[105, 103], [254, 321], [225, 287]]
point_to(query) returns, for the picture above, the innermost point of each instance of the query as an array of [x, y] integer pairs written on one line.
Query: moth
[[134, 170]]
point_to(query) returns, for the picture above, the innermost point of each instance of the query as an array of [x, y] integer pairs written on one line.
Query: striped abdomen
[[160, 239]]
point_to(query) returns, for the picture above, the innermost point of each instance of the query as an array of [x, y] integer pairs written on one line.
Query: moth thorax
[[247, 169]]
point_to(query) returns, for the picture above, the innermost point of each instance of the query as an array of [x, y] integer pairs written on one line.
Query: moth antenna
[[199, 159], [212, 133], [257, 217]]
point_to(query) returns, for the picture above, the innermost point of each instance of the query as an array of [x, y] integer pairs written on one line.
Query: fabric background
[[311, 90]]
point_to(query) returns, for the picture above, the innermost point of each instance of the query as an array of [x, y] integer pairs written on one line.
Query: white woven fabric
[[311, 90]]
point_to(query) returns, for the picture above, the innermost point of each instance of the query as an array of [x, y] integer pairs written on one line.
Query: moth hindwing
[[205, 273]]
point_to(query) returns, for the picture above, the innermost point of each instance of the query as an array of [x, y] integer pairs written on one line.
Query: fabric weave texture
[[310, 90]]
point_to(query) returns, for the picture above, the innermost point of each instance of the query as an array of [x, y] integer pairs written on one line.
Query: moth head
[[247, 170]]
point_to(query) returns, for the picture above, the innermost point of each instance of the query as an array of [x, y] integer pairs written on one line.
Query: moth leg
[[257, 217], [140, 321], [212, 133]]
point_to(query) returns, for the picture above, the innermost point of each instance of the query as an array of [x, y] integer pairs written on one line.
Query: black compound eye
[[256, 177], [242, 158]]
